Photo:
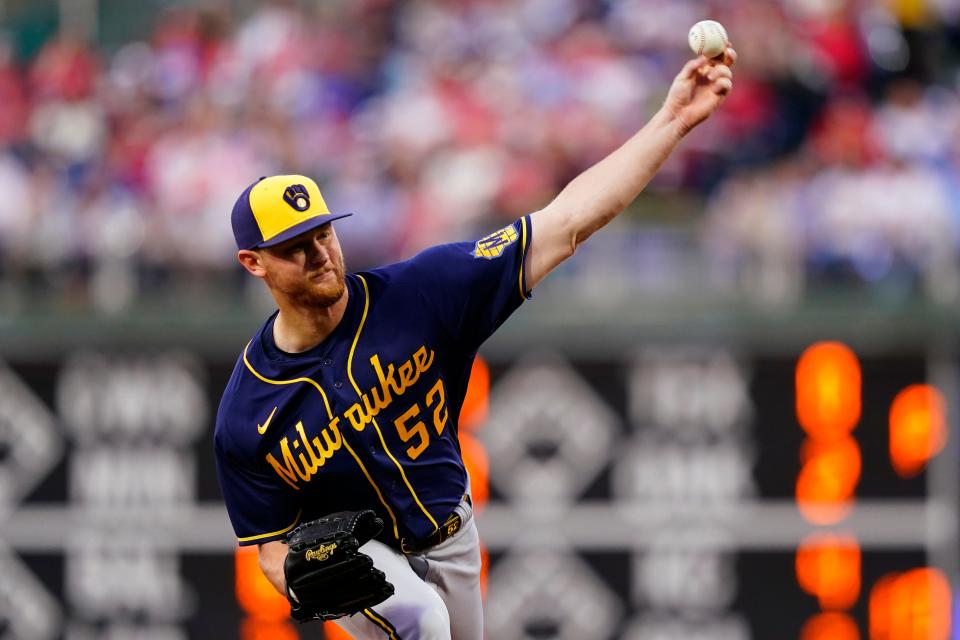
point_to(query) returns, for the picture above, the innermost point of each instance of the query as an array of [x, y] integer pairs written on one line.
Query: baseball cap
[[276, 208]]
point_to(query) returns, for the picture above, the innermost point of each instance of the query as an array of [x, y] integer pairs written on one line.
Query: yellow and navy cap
[[276, 208]]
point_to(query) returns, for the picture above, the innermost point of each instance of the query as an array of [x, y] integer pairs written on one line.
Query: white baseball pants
[[437, 593]]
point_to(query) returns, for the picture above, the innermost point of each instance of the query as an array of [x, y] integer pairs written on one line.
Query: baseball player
[[336, 438]]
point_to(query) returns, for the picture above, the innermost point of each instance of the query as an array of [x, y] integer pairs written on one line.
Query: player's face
[[308, 269]]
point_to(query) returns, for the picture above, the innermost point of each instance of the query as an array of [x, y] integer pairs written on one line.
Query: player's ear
[[252, 262]]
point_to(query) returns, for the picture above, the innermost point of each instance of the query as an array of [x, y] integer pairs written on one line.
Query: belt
[[460, 516]]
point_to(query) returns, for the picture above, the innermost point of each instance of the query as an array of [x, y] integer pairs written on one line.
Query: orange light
[[484, 570], [880, 615], [828, 390], [478, 469], [830, 626], [828, 567], [258, 629], [254, 592], [918, 428], [911, 606], [473, 414], [476, 403], [827, 479], [840, 458], [333, 632]]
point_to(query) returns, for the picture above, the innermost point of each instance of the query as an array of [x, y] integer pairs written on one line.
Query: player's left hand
[[699, 88], [326, 575]]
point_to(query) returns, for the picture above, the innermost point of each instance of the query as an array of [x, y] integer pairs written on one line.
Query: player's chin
[[326, 291]]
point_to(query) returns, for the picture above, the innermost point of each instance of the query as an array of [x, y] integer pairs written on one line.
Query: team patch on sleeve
[[493, 245]]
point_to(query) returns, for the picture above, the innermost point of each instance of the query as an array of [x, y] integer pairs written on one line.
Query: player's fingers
[[730, 56], [722, 86], [690, 69], [720, 71]]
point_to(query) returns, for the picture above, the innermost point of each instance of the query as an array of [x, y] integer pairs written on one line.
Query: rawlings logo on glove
[[323, 552], [323, 585]]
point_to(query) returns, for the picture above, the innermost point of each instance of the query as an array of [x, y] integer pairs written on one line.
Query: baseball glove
[[327, 577]]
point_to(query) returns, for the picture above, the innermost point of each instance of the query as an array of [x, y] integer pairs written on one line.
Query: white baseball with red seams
[[708, 38]]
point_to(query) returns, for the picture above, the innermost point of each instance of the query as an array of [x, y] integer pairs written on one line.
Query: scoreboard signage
[[672, 492]]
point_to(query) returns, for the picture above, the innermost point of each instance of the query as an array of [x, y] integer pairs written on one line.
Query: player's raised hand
[[699, 88]]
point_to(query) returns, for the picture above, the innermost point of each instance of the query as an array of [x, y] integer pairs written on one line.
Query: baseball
[[708, 38]]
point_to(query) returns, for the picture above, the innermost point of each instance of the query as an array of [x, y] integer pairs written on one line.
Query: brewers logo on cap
[[297, 197], [276, 208]]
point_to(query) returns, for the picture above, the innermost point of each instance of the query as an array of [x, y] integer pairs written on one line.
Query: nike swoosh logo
[[262, 429]]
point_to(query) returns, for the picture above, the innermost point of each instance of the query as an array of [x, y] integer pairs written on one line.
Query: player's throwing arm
[[336, 439], [600, 193]]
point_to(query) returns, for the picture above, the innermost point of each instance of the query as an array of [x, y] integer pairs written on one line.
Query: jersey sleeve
[[261, 509], [474, 286]]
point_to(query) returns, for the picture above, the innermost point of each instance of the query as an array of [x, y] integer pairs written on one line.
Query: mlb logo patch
[[493, 245]]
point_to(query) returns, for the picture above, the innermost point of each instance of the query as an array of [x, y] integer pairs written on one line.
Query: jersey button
[[338, 384], [327, 361]]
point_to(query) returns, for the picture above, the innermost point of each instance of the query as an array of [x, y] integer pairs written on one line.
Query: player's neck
[[298, 328]]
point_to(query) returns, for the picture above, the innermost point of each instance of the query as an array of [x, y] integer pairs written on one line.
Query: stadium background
[[707, 425]]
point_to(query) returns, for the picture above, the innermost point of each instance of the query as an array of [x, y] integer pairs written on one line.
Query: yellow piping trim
[[404, 476], [273, 533], [396, 533], [356, 387], [373, 617], [326, 403], [523, 256]]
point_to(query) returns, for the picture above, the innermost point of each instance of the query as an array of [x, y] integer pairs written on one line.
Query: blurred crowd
[[836, 158]]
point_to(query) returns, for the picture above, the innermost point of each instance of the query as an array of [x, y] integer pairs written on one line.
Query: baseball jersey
[[368, 417]]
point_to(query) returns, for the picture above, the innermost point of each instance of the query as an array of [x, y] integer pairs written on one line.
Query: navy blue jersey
[[368, 418]]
